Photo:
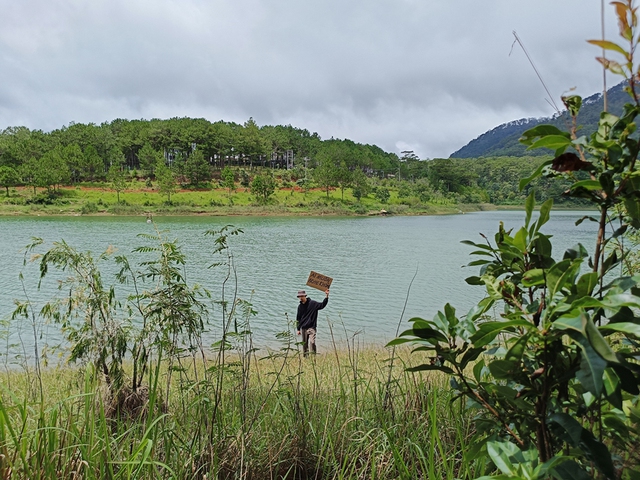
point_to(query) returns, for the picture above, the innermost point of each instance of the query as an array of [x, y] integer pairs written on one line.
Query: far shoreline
[[246, 211], [98, 201]]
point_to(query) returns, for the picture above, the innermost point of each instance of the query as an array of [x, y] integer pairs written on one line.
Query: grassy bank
[[97, 199], [353, 413]]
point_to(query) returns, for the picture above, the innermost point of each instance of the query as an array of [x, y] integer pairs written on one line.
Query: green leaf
[[489, 330], [481, 252], [500, 453], [450, 313], [478, 310], [475, 263], [573, 321], [429, 334], [592, 367], [586, 283], [400, 341], [477, 245], [545, 210], [427, 367], [619, 300], [573, 104], [580, 327], [533, 278], [625, 314], [517, 349], [477, 370], [554, 142], [503, 369], [543, 248], [540, 131], [575, 252], [526, 181], [587, 185], [620, 231], [560, 274], [501, 477], [415, 320], [587, 302], [530, 202], [612, 389], [493, 287], [469, 356], [570, 425], [624, 327], [611, 261], [599, 344], [520, 240]]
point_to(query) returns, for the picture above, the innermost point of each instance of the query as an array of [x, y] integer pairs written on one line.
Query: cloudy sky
[[425, 75]]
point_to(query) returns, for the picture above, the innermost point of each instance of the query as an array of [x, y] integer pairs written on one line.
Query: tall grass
[[258, 415]]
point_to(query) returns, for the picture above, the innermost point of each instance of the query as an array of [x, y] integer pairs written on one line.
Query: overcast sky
[[423, 75]]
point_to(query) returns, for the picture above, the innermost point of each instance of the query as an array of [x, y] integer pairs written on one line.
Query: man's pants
[[308, 339]]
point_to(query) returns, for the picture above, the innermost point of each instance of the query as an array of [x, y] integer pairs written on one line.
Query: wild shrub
[[160, 320], [89, 207], [382, 194]]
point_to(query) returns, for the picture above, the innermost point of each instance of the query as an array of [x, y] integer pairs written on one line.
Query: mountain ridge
[[503, 140]]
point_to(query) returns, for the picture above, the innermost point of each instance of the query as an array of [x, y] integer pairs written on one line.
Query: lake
[[371, 259]]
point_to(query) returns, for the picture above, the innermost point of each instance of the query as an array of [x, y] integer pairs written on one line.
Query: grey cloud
[[432, 75]]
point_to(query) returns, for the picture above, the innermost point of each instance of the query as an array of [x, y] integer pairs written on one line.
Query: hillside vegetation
[[185, 165]]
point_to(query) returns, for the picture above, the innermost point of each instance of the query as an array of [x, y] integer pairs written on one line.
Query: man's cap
[[302, 293]]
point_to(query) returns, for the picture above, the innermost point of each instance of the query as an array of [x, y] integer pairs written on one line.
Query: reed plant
[[277, 415]]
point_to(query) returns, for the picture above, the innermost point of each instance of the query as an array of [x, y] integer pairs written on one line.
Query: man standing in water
[[307, 319]]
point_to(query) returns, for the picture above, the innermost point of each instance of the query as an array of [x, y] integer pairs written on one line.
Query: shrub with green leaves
[[263, 186], [548, 360], [382, 194]]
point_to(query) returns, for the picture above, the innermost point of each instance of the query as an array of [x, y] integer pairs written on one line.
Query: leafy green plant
[[263, 186], [166, 179], [227, 180], [382, 194], [117, 178], [9, 177], [161, 320], [554, 376], [89, 207]]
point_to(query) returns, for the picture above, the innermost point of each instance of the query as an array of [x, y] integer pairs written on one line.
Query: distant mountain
[[503, 139]]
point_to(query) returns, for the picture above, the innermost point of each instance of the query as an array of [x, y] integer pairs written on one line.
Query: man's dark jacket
[[308, 313]]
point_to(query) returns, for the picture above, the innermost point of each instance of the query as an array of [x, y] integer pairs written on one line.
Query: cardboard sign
[[321, 282]]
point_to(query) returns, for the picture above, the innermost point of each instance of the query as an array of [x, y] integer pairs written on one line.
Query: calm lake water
[[372, 261]]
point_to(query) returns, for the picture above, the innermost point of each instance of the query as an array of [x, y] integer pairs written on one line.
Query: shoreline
[[260, 211], [247, 211]]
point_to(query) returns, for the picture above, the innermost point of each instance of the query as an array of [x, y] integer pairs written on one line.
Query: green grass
[[338, 415], [98, 199]]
